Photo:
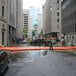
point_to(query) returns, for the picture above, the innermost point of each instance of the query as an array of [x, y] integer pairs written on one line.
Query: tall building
[[43, 19], [39, 23], [34, 12], [30, 29], [35, 27], [34, 15], [27, 25], [14, 19], [10, 20], [52, 18], [3, 22], [19, 11], [69, 20]]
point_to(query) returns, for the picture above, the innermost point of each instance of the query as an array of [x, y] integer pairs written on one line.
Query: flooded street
[[27, 55], [41, 63]]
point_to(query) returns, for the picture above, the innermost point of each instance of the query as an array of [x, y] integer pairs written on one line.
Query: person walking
[[51, 46]]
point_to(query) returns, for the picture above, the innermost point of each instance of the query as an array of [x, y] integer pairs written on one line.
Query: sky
[[35, 3]]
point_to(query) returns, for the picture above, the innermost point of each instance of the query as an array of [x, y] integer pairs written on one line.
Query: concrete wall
[[19, 9], [3, 22]]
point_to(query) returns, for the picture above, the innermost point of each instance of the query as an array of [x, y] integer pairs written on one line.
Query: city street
[[37, 64], [37, 37]]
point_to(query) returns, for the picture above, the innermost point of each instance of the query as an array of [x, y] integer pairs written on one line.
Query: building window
[[67, 39], [2, 11], [25, 19], [25, 23], [57, 13], [57, 20], [57, 1], [72, 37]]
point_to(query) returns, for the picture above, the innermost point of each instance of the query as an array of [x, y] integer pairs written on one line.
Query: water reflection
[[17, 56], [35, 54]]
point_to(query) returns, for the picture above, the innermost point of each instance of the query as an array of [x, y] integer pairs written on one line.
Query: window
[[25, 16], [57, 20], [57, 1], [25, 23], [25, 19], [72, 37], [2, 11], [57, 13]]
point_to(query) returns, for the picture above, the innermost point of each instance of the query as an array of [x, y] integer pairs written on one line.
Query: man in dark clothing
[[51, 46]]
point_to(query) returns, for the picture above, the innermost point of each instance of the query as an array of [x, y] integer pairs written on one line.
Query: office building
[[52, 18], [69, 20], [10, 20], [27, 24], [19, 11], [39, 23]]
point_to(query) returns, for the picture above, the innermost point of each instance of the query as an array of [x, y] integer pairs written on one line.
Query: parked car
[[4, 61], [23, 42]]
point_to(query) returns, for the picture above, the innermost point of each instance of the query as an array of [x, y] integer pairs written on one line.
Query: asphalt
[[52, 64]]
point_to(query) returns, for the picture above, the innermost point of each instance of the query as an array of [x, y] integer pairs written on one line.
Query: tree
[[33, 33], [25, 32]]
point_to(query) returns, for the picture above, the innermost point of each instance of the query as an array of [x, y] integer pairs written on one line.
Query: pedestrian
[[63, 42], [51, 46]]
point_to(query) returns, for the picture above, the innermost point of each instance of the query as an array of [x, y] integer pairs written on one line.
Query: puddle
[[18, 56], [35, 54]]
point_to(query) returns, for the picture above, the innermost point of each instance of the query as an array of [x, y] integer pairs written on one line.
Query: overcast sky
[[29, 3]]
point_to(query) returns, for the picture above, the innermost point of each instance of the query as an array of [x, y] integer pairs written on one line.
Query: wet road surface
[[44, 63], [37, 64]]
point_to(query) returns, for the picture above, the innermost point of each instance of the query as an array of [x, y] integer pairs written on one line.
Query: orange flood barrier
[[37, 48]]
